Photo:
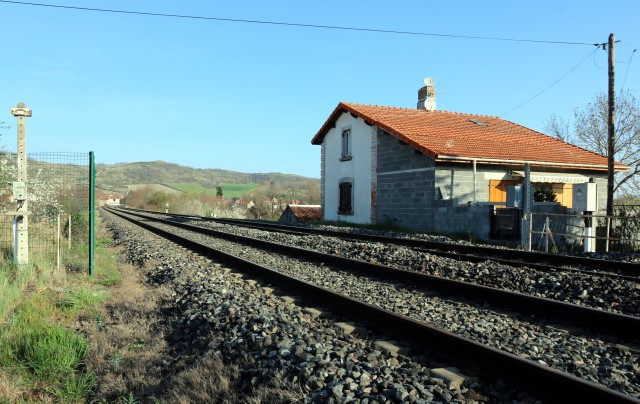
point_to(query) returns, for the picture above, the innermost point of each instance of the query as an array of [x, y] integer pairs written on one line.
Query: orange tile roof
[[451, 135], [307, 213]]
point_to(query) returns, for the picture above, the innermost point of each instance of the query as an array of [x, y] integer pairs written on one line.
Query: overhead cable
[[628, 66], [299, 25], [550, 85]]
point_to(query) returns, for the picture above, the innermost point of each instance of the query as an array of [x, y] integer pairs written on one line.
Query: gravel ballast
[[589, 357], [597, 290], [217, 313]]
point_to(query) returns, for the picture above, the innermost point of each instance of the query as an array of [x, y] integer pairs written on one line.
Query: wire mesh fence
[[58, 196], [566, 233]]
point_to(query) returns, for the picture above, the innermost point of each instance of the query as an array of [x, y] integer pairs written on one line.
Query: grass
[[12, 284], [104, 339], [48, 351], [81, 298], [42, 357]]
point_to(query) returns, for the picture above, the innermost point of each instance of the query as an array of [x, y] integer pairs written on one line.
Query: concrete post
[[527, 218], [21, 253]]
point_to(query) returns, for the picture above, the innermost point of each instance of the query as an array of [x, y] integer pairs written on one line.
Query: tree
[[313, 192], [590, 132], [219, 192], [544, 195]]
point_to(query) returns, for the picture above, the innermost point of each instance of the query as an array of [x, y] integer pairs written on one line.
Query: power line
[[552, 84], [628, 66], [299, 25], [629, 44]]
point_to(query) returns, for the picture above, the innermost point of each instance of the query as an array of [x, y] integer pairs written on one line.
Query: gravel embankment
[[598, 291], [589, 357], [218, 313]]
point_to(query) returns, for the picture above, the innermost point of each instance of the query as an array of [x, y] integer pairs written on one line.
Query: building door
[[505, 224], [498, 191]]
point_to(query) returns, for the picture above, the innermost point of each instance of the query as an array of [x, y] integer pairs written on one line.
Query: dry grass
[[8, 385], [127, 341], [208, 381], [132, 360], [213, 381]]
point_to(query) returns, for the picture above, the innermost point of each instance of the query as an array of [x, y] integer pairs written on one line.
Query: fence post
[[530, 230], [92, 212], [58, 243], [21, 254], [606, 244]]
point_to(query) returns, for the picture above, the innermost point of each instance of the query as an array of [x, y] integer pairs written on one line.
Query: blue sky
[[249, 97]]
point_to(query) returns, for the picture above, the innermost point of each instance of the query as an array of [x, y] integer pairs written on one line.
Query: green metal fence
[[60, 221]]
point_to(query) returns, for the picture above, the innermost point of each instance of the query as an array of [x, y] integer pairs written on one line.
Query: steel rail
[[473, 253], [538, 380], [605, 322]]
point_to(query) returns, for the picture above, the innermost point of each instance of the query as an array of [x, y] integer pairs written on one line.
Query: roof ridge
[[437, 111]]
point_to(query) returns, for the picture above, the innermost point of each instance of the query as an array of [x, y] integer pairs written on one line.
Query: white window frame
[[345, 144]]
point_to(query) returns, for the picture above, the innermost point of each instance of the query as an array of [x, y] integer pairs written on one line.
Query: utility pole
[[611, 143], [21, 221]]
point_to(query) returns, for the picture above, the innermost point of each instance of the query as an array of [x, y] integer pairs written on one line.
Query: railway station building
[[443, 172]]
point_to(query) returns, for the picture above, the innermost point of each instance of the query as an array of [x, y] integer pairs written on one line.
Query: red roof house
[[411, 167]]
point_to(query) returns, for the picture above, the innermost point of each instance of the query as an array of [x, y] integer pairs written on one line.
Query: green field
[[228, 190]]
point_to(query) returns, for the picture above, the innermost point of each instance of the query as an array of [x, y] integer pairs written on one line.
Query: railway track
[[465, 252], [598, 290], [522, 372], [472, 253]]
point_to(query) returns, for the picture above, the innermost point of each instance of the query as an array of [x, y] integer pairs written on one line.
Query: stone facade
[[405, 181], [474, 220]]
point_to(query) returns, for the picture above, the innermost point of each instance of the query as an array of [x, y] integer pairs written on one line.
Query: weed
[[81, 298], [129, 399], [99, 317], [76, 387], [137, 345], [51, 351], [117, 361]]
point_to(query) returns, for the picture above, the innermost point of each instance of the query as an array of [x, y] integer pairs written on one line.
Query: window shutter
[[345, 198]]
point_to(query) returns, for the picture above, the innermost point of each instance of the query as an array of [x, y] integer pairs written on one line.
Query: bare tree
[[590, 132], [313, 192]]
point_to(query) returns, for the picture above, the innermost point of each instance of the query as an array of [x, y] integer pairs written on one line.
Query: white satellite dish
[[429, 81]]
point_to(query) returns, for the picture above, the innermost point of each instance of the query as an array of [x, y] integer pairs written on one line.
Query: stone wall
[[474, 220], [405, 185]]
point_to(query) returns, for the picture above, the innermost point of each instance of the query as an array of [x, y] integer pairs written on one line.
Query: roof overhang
[[554, 177], [618, 167]]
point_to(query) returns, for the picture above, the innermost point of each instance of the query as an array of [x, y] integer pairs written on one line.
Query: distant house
[[245, 204], [109, 199], [439, 171], [301, 214]]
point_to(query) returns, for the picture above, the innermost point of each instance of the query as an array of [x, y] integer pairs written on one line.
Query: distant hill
[[116, 177]]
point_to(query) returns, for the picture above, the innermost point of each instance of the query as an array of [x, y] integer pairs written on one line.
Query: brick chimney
[[427, 95]]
